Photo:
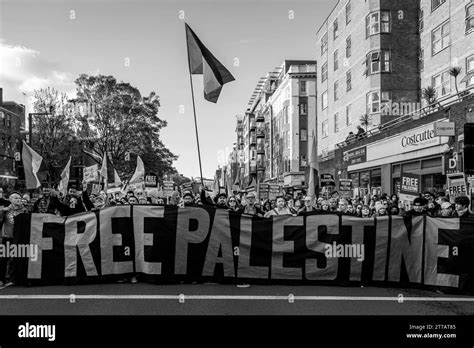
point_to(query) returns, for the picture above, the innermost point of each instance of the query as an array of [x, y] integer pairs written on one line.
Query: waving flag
[[202, 61], [139, 174], [109, 173], [33, 164], [62, 187]]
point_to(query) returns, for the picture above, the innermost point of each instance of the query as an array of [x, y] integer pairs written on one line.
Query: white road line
[[236, 297]]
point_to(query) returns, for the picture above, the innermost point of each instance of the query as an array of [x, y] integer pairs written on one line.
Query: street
[[217, 299]]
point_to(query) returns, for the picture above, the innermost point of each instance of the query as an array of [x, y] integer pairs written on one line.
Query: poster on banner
[[274, 190], [263, 191], [198, 243], [456, 186], [410, 184], [327, 180]]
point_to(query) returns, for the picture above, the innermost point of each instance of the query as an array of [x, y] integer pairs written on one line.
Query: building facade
[[12, 117], [275, 126], [367, 54], [446, 30]]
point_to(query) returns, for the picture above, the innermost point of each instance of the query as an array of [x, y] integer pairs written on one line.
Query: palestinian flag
[[201, 61], [34, 165]]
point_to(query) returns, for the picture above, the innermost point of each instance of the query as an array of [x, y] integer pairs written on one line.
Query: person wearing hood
[[461, 206]]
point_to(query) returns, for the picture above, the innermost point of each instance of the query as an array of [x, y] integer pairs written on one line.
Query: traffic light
[[468, 151]]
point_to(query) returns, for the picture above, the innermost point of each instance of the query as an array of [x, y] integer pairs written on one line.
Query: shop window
[[411, 167], [355, 179], [376, 178], [431, 163]]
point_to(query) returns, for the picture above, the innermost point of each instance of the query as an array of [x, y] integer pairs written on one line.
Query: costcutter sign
[[412, 140]]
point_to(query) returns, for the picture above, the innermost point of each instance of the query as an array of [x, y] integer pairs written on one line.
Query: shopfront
[[417, 151]]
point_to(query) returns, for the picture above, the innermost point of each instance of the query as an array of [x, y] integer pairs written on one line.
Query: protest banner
[[151, 181], [170, 244], [410, 184], [168, 188], [456, 186], [345, 188]]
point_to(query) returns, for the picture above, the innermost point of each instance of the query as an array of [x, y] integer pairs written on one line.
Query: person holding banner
[[281, 208], [233, 204], [461, 205], [418, 208], [250, 208], [7, 216], [446, 210], [308, 206]]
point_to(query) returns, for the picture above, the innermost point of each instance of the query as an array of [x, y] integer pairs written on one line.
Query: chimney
[[1, 96]]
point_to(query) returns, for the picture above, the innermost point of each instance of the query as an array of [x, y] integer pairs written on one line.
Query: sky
[[142, 42]]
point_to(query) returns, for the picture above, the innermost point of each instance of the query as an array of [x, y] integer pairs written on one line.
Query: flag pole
[[194, 110]]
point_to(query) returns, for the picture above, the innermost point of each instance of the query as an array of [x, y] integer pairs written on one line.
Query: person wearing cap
[[188, 200], [251, 208], [308, 206], [461, 207], [418, 207]]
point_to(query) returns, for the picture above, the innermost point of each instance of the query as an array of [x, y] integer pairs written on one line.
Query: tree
[[454, 72], [51, 131], [122, 120]]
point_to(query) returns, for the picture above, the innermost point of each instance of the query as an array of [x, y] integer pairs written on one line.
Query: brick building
[[407, 145], [367, 54], [12, 120], [447, 40]]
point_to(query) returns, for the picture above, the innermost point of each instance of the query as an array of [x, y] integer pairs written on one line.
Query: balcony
[[253, 125], [260, 132]]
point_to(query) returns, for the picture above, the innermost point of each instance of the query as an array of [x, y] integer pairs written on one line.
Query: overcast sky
[[49, 43]]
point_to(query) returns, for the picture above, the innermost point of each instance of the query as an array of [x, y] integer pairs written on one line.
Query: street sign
[[443, 129], [355, 156]]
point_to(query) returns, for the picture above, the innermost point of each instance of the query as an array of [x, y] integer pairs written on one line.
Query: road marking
[[235, 297]]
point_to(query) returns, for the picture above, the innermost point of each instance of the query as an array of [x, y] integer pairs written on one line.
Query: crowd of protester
[[75, 202]]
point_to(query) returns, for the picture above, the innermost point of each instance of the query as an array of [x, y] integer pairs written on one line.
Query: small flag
[[33, 165], [109, 173], [201, 61], [62, 187]]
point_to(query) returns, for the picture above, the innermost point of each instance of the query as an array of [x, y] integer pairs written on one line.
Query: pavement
[[219, 299]]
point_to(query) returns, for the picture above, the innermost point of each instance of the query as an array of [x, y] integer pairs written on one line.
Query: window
[[469, 18], [324, 72], [325, 129], [336, 86], [336, 122], [335, 29], [336, 62], [302, 86], [421, 59], [436, 3], [287, 139], [420, 20], [348, 80], [303, 109], [303, 134], [348, 46], [376, 100], [441, 83], [324, 100], [303, 160], [9, 120], [348, 114], [379, 61], [440, 38], [470, 71], [348, 12], [285, 115], [377, 22], [324, 43]]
